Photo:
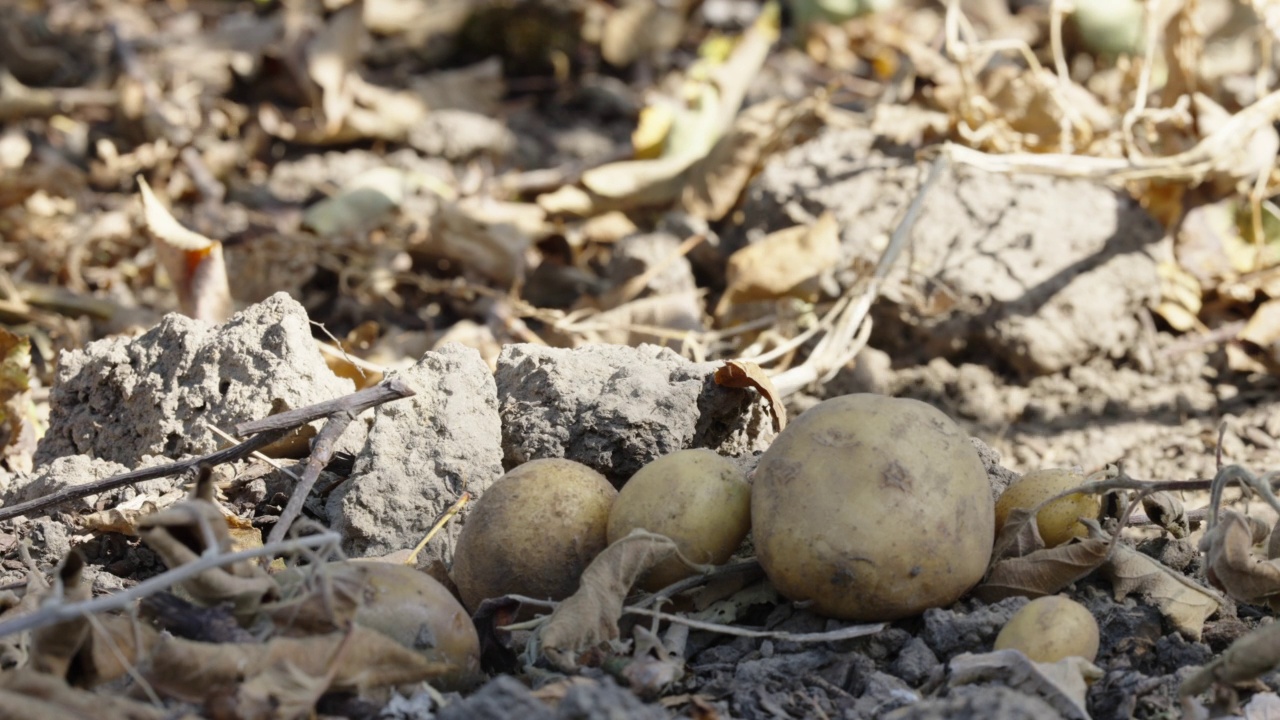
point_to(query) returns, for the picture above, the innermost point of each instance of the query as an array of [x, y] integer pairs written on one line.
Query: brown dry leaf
[[590, 616], [1043, 572], [1018, 537], [125, 517], [1180, 300], [54, 646], [194, 262], [1167, 511], [743, 374], [786, 263], [1063, 684], [486, 236], [29, 695], [194, 671], [1185, 603], [714, 184], [330, 57], [184, 532], [1247, 659], [1231, 565], [1263, 328], [364, 203], [18, 434]]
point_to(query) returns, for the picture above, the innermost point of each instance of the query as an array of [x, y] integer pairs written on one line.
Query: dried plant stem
[[846, 633], [56, 613], [321, 451]]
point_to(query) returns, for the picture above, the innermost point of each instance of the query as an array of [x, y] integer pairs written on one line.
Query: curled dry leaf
[[1185, 603], [330, 56], [1042, 572], [1018, 537], [194, 262], [30, 695], [1166, 511], [787, 263], [1062, 684], [1248, 658], [714, 184], [1231, 565], [590, 616], [743, 374], [54, 646], [191, 528], [195, 671]]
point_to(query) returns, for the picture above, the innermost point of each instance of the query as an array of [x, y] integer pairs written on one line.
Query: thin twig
[[321, 451], [53, 614], [257, 442], [846, 633], [392, 388]]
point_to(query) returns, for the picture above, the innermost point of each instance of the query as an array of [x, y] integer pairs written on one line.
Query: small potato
[[407, 605], [1059, 521], [533, 532], [697, 498], [1051, 628]]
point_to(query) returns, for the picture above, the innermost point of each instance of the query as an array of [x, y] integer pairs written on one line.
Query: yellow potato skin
[[1059, 521], [533, 532], [872, 508], [1051, 628], [697, 498]]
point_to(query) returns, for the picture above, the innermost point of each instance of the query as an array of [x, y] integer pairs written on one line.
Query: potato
[[1059, 521], [1051, 628], [407, 605], [533, 532], [697, 498], [873, 508]]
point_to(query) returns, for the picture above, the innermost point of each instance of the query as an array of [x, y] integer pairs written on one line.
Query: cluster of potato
[[866, 508]]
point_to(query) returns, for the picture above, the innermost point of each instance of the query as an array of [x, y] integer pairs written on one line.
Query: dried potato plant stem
[[439, 524], [321, 451], [848, 325], [56, 613], [845, 633]]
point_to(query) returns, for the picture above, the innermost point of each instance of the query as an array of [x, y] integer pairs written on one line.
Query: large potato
[[697, 498], [533, 532], [873, 508], [1059, 521]]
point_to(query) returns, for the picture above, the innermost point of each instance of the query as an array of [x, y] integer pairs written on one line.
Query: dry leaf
[[364, 203], [1018, 537], [1231, 565], [1063, 684], [184, 532], [1043, 572], [54, 646], [1185, 603], [1263, 328], [487, 237], [1248, 658], [1166, 511], [18, 434], [194, 262], [743, 374], [29, 695], [590, 616], [195, 671], [714, 184], [330, 56], [786, 263]]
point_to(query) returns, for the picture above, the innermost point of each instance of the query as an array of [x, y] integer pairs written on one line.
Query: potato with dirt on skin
[[700, 500], [1049, 629], [403, 603], [1059, 521], [533, 532], [872, 508]]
